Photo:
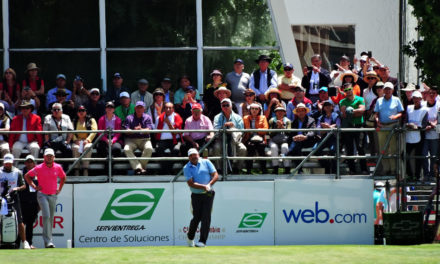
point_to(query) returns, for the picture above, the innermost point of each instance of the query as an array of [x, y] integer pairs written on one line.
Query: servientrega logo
[[132, 204], [252, 220]]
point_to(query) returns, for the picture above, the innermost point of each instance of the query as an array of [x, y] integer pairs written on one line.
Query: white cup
[[69, 243]]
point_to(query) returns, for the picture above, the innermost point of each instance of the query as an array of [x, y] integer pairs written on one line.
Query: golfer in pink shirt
[[47, 174]]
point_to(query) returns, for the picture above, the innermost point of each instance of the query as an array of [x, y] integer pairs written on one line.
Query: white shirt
[[369, 96], [415, 116], [164, 136]]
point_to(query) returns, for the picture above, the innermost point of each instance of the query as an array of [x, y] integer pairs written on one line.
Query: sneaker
[[50, 245], [190, 242], [200, 244], [25, 245]]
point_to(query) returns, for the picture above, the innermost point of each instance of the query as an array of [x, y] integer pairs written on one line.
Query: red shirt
[[47, 177], [33, 84]]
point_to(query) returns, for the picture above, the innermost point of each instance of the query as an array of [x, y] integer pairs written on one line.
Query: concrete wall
[[376, 23]]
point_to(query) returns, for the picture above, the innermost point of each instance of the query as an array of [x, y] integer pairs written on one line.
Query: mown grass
[[230, 254]]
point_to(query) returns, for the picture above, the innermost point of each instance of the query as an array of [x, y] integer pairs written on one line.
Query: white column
[[283, 30], [5, 16], [103, 44], [199, 46]]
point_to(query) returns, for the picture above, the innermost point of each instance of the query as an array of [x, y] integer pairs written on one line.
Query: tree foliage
[[426, 50]]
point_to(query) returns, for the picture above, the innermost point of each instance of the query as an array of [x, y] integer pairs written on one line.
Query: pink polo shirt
[[47, 177], [204, 123]]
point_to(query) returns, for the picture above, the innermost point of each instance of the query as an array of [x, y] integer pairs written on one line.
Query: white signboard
[[112, 215], [62, 224], [242, 214], [324, 212]]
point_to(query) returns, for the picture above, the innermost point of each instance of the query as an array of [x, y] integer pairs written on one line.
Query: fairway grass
[[429, 253]]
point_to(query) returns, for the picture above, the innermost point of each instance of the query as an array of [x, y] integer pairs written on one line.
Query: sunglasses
[[56, 110], [347, 90], [288, 69], [26, 107], [254, 108], [371, 78], [109, 106], [82, 110], [249, 95], [226, 105], [94, 93], [8, 72]]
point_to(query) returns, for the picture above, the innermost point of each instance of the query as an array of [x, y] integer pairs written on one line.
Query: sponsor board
[[324, 212], [62, 224], [242, 214], [123, 215]]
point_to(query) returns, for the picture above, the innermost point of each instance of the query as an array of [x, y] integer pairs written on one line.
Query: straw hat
[[31, 66], [372, 74], [272, 90], [301, 105], [349, 73], [224, 89]]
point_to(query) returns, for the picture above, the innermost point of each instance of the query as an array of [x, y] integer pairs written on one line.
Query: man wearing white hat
[[200, 175], [48, 173], [388, 111], [416, 119], [13, 178], [230, 120]]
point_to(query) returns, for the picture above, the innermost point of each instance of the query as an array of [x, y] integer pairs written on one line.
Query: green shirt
[[123, 112], [357, 101]]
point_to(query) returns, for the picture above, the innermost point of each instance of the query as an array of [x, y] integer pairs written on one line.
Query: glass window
[[1, 28], [85, 64], [237, 23], [154, 23], [330, 41], [224, 61], [54, 24], [151, 65]]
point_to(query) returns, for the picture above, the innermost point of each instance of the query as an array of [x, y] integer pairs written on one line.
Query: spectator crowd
[[356, 94]]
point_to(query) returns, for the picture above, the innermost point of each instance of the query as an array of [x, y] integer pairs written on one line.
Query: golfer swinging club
[[200, 175]]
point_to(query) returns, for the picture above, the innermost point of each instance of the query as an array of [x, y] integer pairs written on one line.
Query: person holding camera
[[314, 78], [200, 175]]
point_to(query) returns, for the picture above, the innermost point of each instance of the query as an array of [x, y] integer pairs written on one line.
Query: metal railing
[[400, 156]]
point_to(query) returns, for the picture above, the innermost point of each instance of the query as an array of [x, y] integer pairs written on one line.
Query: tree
[[426, 50]]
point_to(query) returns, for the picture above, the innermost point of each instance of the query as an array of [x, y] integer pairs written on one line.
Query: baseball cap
[[226, 100], [140, 103], [190, 88], [124, 94], [327, 102], [110, 103], [95, 90], [78, 78], [288, 65], [143, 81], [62, 76], [196, 106], [117, 75], [417, 94], [364, 58], [8, 158], [238, 61], [192, 151], [388, 85], [30, 157], [49, 151], [325, 89], [166, 79]]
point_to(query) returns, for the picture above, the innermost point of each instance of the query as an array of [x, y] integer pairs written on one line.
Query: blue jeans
[[429, 146]]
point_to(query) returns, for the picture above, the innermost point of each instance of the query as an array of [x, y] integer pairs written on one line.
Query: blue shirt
[[386, 108], [200, 173], [220, 120], [132, 121], [52, 98]]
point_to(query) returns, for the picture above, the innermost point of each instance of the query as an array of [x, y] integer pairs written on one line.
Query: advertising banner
[[242, 214], [324, 212], [112, 215], [62, 224]]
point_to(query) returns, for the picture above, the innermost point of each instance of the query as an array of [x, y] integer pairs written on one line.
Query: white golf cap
[[30, 157], [49, 151], [388, 85], [8, 158], [417, 94], [226, 100], [192, 151]]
